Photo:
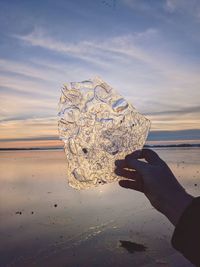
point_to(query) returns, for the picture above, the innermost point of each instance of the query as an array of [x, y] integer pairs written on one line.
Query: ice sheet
[[98, 126]]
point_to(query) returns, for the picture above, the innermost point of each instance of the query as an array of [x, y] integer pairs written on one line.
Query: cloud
[[161, 9], [25, 106], [183, 111], [191, 7], [28, 128], [82, 50], [25, 85], [27, 69], [177, 119], [173, 124], [91, 51], [147, 50], [119, 49], [153, 79], [171, 5], [44, 75]]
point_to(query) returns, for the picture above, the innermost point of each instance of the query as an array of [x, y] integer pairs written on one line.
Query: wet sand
[[44, 222]]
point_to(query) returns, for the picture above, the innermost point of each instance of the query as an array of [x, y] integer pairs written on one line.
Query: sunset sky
[[147, 50]]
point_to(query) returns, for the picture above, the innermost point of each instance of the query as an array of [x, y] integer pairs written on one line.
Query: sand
[[44, 222]]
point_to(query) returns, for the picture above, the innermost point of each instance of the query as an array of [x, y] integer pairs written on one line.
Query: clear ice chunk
[[98, 126]]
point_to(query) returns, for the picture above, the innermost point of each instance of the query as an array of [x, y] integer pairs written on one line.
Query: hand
[[155, 179]]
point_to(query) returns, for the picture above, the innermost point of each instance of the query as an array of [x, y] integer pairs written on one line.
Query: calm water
[[44, 222]]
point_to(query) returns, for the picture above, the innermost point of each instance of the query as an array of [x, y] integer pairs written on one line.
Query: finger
[[121, 163], [139, 166], [131, 163], [149, 155], [133, 175], [135, 154], [131, 185]]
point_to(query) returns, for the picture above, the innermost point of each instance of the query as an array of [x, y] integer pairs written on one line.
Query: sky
[[147, 50]]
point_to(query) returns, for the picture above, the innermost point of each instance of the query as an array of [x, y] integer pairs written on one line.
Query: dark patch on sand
[[18, 212], [132, 247]]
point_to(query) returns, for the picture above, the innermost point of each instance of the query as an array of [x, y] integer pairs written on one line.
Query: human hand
[[155, 179]]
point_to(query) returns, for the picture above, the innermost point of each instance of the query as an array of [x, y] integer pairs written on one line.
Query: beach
[[44, 222]]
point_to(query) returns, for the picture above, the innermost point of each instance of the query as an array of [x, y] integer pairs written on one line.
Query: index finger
[[149, 155]]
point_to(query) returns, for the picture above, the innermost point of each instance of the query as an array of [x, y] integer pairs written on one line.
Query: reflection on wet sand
[[44, 222]]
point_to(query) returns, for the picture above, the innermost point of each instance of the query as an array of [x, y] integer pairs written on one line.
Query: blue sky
[[147, 50]]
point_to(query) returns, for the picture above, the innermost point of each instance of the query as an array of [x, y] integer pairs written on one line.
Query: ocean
[[44, 222]]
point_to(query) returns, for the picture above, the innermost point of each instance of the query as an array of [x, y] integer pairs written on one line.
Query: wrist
[[176, 206]]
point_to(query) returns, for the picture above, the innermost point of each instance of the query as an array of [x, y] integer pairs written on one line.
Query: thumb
[[136, 185], [138, 165]]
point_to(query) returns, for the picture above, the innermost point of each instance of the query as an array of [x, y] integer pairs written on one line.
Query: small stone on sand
[[18, 212]]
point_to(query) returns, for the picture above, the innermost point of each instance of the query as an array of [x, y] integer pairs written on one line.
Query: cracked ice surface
[[98, 126]]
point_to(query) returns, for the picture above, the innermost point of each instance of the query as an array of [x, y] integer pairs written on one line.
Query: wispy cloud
[[27, 69], [93, 51], [187, 8], [29, 128], [128, 58], [25, 85], [119, 49], [147, 64], [144, 74], [25, 105], [83, 50], [183, 111], [147, 50], [191, 7]]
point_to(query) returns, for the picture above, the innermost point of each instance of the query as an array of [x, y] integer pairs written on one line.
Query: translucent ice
[[97, 126]]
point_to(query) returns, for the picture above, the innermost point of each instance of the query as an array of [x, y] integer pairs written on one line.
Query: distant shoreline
[[31, 148], [61, 148], [174, 145]]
